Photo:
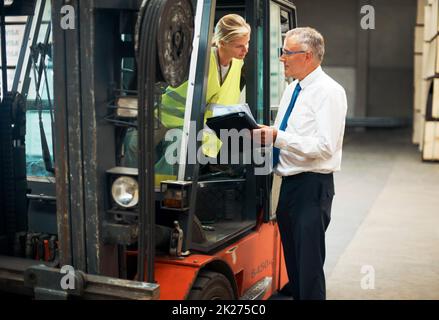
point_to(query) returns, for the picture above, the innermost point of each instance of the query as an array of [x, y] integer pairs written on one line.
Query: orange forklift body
[[251, 259]]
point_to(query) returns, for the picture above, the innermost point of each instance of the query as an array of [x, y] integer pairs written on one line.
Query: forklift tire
[[211, 285]]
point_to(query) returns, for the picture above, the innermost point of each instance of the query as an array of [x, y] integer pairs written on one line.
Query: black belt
[[307, 174]]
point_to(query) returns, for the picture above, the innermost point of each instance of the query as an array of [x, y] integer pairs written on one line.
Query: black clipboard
[[236, 120]]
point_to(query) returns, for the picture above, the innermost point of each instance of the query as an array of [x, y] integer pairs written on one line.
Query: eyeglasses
[[284, 52]]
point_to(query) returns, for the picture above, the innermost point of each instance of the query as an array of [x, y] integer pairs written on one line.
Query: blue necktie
[[284, 123]]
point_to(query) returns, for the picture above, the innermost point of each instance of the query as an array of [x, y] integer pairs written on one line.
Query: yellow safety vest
[[173, 105], [174, 99], [229, 92]]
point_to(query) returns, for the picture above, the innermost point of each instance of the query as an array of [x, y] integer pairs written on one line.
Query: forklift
[[89, 226]]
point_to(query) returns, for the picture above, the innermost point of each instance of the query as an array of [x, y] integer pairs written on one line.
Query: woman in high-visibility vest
[[229, 48]]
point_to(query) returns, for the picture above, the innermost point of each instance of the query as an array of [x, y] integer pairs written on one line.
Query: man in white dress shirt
[[308, 137]]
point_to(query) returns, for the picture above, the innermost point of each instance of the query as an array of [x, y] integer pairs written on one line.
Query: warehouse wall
[[391, 70], [374, 66]]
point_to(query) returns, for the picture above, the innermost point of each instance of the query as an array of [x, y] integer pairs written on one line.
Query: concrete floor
[[383, 240]]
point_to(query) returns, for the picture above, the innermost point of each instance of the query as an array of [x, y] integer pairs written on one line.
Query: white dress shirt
[[313, 139]]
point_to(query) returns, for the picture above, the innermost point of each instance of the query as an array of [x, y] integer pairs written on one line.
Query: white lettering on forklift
[[368, 21], [68, 20], [368, 281], [232, 252], [68, 281], [200, 311]]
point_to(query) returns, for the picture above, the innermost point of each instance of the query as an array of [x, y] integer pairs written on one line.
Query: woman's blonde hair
[[229, 28]]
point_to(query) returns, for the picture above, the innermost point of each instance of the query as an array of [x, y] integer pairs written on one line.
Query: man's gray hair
[[310, 39]]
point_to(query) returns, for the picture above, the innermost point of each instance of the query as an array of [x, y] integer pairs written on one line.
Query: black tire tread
[[204, 282]]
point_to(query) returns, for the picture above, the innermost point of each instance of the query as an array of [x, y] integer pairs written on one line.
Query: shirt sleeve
[[330, 120]]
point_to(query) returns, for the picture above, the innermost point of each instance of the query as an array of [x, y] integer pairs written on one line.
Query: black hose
[[7, 177], [147, 53], [3, 50], [35, 53]]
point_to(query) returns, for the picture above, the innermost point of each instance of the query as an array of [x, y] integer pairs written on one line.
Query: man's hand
[[265, 135]]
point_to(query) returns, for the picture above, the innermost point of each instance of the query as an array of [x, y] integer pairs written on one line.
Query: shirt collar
[[311, 77]]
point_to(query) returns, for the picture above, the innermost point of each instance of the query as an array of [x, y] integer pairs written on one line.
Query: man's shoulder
[[328, 84], [325, 87]]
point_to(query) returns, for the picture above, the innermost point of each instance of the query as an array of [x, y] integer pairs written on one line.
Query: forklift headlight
[[125, 192]]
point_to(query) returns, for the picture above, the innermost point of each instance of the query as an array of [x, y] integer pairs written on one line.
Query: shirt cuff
[[281, 139]]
